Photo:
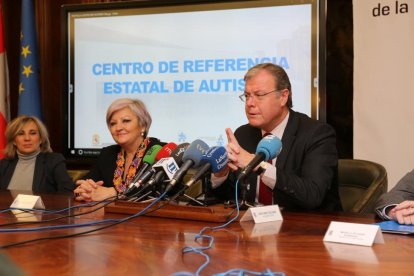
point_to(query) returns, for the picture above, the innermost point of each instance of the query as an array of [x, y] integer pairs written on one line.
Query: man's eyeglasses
[[257, 96]]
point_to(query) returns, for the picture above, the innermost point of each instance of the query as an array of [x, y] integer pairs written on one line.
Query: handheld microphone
[[191, 158], [144, 176], [167, 167], [147, 161], [178, 153], [214, 159], [163, 153], [268, 148], [166, 150]]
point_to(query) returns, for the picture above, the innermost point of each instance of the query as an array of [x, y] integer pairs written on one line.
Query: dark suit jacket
[[307, 166], [50, 174], [106, 163]]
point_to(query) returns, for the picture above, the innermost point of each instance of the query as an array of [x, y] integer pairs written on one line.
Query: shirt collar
[[280, 128]]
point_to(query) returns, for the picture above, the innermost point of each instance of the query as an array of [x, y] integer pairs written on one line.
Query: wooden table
[[153, 246]]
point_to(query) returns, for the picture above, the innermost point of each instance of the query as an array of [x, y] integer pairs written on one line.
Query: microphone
[[267, 149], [167, 166], [178, 153], [147, 161], [215, 159], [191, 158], [166, 150], [163, 152]]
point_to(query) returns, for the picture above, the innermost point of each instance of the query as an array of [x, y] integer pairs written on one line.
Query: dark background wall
[[339, 65]]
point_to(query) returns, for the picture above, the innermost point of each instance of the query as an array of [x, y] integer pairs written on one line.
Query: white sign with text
[[263, 214], [353, 233], [27, 202]]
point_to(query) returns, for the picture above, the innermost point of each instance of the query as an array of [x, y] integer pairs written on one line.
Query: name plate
[[27, 202], [353, 233], [262, 214]]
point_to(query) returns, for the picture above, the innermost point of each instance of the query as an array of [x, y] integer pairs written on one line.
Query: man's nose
[[251, 100]]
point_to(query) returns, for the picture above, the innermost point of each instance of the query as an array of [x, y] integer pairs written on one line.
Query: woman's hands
[[89, 190]]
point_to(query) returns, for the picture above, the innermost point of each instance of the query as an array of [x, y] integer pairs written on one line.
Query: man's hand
[[238, 157], [403, 212]]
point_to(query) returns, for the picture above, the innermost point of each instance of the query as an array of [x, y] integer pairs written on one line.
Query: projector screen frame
[[318, 100]]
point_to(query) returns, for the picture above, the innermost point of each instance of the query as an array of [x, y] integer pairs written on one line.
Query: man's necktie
[[265, 193]]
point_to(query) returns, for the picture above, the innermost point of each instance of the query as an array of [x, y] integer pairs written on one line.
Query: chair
[[361, 183], [77, 174]]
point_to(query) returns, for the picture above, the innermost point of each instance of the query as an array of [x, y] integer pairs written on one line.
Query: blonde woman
[[128, 121], [29, 163]]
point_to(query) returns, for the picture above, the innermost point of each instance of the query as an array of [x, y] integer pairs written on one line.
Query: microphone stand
[[193, 199], [182, 193], [137, 199], [244, 190]]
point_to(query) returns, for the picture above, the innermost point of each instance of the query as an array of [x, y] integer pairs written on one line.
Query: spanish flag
[[3, 87]]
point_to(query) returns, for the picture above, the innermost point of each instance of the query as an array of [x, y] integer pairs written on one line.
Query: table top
[[153, 246]]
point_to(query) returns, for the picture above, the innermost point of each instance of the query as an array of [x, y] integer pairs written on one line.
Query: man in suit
[[304, 174], [398, 203]]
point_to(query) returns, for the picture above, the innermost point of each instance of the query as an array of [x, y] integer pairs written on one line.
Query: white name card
[[262, 214], [353, 233], [27, 202]]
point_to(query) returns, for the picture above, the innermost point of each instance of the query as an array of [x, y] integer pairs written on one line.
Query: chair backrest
[[77, 174], [361, 183]]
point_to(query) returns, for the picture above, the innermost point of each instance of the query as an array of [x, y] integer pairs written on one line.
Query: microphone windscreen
[[195, 152], [270, 146], [165, 151], [178, 153], [218, 158], [150, 155]]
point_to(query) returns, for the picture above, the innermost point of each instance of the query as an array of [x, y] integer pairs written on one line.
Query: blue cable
[[88, 204], [199, 250], [68, 226], [243, 272]]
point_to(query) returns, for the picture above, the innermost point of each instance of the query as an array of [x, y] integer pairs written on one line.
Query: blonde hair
[[136, 106], [16, 125]]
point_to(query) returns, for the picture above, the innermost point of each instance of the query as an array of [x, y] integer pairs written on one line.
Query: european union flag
[[29, 95]]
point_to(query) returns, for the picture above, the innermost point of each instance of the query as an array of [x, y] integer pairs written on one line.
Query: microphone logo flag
[[168, 165], [172, 167]]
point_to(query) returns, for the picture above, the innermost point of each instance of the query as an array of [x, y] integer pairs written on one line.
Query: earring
[[143, 133]]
